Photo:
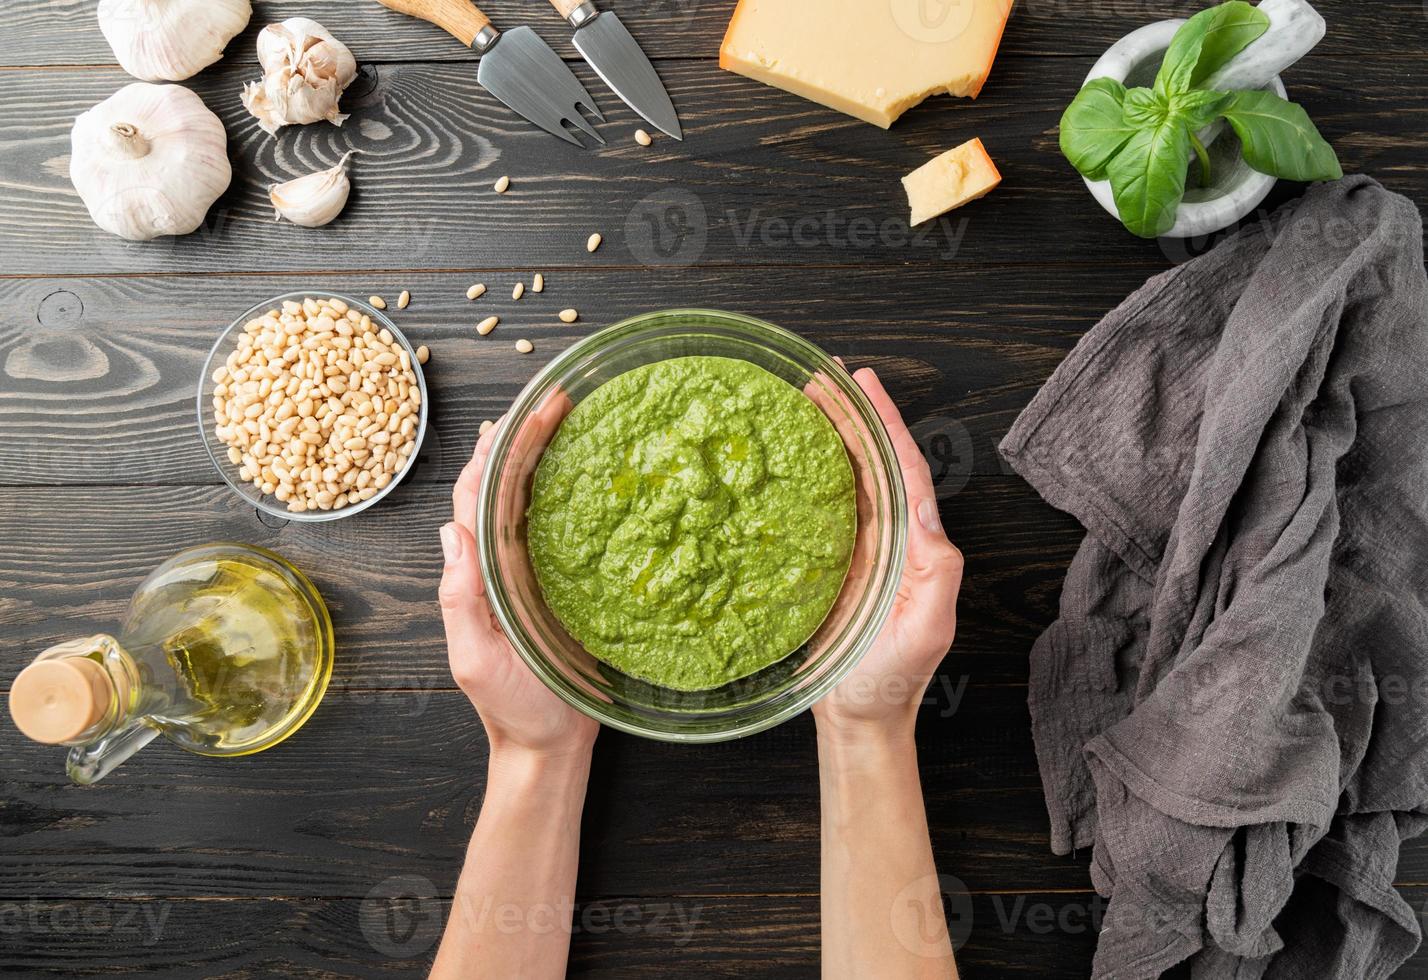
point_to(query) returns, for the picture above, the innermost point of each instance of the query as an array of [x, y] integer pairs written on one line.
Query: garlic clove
[[305, 71], [170, 40], [149, 160], [314, 200]]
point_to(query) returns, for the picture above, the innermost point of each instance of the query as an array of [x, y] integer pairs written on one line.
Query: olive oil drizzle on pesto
[[692, 521]]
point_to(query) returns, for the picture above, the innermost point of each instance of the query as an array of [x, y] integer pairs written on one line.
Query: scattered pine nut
[[476, 291], [487, 426], [524, 346], [569, 316], [538, 283], [404, 300], [423, 354], [487, 325], [518, 290], [642, 137], [381, 304], [503, 185], [593, 242]]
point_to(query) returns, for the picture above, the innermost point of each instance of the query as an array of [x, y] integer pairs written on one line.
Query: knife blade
[[604, 41], [517, 67]]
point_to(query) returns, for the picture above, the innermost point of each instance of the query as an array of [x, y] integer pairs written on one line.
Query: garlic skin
[[149, 160], [314, 200], [170, 40], [305, 71]]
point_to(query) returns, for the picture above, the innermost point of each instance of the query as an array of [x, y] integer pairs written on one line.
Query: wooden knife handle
[[566, 7], [461, 19]]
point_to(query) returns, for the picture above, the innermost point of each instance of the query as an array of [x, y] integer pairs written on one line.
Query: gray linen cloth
[[1233, 705]]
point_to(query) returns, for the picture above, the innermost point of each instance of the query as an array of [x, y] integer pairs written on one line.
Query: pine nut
[[593, 242], [476, 291], [404, 300], [569, 316], [423, 354], [642, 137], [378, 302], [518, 290], [487, 325], [312, 396], [524, 346], [503, 185]]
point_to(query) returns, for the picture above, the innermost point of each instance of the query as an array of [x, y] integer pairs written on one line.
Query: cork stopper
[[57, 700]]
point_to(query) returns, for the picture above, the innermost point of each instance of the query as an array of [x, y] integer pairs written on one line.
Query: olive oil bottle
[[226, 650]]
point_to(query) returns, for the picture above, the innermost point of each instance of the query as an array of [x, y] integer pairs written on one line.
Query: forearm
[[881, 906], [512, 909]]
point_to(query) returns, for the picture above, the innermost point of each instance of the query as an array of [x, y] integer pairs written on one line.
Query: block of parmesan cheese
[[873, 59], [949, 181]]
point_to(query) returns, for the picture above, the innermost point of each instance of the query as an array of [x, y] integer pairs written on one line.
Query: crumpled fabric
[[1232, 708]]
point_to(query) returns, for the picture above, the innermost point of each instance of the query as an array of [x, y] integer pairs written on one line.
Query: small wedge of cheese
[[873, 59], [949, 181]]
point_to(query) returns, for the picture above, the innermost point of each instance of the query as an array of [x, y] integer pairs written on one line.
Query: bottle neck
[[76, 693]]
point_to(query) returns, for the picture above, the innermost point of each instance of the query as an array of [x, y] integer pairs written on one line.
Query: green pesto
[[692, 521]]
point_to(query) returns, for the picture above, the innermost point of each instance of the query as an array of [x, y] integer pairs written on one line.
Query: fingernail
[[928, 516], [450, 544]]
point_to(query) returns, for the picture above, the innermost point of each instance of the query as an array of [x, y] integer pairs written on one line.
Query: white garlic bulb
[[305, 71], [149, 160], [314, 200], [170, 40]]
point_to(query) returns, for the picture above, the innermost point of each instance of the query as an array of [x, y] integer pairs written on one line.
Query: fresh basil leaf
[[1148, 177], [1093, 128], [1206, 42], [1198, 108], [1278, 138], [1144, 107]]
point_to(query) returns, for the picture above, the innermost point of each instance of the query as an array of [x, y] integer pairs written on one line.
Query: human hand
[[518, 711], [883, 692]]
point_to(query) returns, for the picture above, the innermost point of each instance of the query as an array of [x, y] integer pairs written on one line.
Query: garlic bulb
[[305, 70], [149, 160], [170, 40], [314, 200]]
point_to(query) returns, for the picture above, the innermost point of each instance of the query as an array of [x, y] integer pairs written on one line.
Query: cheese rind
[[949, 181], [872, 60]]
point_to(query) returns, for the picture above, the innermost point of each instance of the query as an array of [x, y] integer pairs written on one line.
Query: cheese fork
[[517, 66]]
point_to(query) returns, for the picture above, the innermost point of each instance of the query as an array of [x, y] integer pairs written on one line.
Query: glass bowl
[[218, 450], [753, 703]]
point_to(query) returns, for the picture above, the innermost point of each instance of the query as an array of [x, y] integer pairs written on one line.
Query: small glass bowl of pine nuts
[[312, 406]]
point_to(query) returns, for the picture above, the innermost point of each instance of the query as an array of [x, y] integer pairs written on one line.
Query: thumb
[[464, 609]]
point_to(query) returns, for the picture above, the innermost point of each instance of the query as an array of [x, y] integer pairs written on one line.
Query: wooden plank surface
[[761, 179], [64, 32], [334, 854]]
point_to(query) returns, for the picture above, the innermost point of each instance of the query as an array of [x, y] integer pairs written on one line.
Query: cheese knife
[[517, 66], [617, 58]]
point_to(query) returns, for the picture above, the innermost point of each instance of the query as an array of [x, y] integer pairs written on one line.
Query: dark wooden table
[[331, 854]]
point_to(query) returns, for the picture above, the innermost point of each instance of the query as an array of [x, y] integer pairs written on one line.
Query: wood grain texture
[[64, 32], [122, 356], [384, 784], [763, 177], [379, 572]]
